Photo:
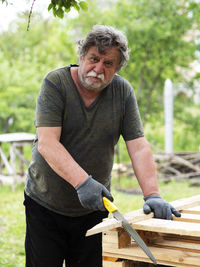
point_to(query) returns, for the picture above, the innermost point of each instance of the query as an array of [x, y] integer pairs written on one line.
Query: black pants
[[52, 238]]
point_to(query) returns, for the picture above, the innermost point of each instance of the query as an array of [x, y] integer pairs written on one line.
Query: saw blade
[[131, 231]]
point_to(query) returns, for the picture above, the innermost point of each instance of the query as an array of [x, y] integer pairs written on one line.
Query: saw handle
[[109, 205]]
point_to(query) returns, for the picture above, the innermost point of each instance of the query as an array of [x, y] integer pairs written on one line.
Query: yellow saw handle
[[109, 205]]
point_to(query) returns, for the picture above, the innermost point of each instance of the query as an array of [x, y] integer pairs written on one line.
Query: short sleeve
[[50, 102], [132, 127]]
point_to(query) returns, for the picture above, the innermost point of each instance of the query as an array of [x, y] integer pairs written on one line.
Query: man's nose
[[99, 68]]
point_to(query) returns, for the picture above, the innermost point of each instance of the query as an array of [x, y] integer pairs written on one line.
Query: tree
[[156, 31], [60, 7], [25, 60]]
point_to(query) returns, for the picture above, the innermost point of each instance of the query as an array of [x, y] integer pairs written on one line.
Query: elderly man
[[81, 112]]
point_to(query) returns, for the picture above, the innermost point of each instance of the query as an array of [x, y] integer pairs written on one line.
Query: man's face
[[96, 70]]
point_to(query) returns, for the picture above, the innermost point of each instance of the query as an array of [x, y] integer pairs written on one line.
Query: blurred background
[[164, 39]]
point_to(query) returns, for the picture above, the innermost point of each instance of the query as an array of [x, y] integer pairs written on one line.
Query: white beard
[[94, 74], [93, 86]]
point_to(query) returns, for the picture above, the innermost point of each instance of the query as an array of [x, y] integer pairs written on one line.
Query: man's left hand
[[160, 208]]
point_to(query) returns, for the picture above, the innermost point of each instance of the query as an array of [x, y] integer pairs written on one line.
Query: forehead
[[110, 54]]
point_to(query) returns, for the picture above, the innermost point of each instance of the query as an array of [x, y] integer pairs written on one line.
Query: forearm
[[144, 167], [61, 161], [143, 164]]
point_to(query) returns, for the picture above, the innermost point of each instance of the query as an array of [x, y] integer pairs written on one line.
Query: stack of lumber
[[169, 166], [173, 243], [178, 166]]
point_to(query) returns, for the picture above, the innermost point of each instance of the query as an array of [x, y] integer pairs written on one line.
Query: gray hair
[[104, 38]]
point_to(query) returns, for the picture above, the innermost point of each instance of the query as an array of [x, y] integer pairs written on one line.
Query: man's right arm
[[58, 157], [90, 192]]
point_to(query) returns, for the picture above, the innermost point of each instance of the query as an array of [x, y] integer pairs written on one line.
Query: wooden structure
[[173, 243], [175, 166], [12, 166]]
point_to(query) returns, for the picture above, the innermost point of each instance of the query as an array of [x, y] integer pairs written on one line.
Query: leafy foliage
[[158, 32], [159, 39], [60, 7], [26, 58]]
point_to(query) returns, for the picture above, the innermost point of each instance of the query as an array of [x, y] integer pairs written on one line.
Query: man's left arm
[[144, 167]]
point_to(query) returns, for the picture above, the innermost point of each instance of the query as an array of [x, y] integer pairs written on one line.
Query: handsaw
[[110, 206]]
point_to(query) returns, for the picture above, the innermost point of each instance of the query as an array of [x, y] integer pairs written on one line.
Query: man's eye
[[93, 59], [108, 64]]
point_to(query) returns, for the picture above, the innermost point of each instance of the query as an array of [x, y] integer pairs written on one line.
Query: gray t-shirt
[[88, 133]]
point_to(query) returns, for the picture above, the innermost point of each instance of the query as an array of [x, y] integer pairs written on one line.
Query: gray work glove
[[90, 194], [161, 208]]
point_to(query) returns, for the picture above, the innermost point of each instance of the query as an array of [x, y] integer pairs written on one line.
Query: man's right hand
[[91, 193]]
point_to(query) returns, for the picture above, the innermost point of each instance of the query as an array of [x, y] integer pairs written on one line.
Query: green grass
[[12, 218], [169, 191], [12, 227]]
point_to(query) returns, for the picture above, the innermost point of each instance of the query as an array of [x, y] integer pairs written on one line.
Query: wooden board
[[165, 256], [188, 217], [194, 210], [16, 137], [138, 216], [173, 243], [115, 264], [109, 224], [170, 227], [116, 239]]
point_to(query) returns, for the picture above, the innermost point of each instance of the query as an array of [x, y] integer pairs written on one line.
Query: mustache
[[94, 74]]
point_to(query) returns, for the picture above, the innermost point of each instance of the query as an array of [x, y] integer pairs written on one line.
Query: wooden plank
[[171, 227], [113, 264], [16, 137], [163, 256], [116, 239], [188, 217], [20, 155], [13, 164], [8, 167], [13, 158], [138, 215], [117, 264], [105, 258], [186, 203], [111, 223], [178, 245], [104, 226], [173, 241], [194, 210]]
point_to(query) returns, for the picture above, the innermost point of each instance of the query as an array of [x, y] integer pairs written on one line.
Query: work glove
[[90, 194], [161, 208]]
